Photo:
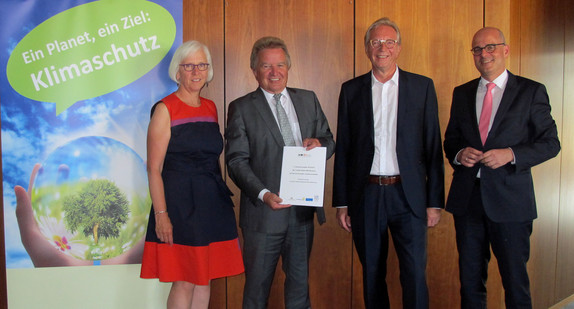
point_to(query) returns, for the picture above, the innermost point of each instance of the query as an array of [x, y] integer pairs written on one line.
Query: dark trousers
[[261, 252], [385, 209], [510, 242]]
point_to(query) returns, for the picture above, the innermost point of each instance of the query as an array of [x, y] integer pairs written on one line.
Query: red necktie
[[486, 112]]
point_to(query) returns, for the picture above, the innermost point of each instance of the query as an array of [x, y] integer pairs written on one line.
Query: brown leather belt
[[384, 180]]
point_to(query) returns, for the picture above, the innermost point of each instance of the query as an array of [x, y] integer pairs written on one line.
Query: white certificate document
[[303, 176]]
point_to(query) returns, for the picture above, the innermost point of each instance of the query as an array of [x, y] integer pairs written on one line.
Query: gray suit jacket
[[254, 151]]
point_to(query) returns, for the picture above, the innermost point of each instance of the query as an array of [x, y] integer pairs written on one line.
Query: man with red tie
[[500, 127]]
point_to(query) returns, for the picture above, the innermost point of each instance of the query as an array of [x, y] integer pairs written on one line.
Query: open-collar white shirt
[[385, 108]]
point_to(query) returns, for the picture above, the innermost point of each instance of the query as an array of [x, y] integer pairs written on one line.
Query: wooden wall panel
[[505, 15], [319, 35], [542, 59], [564, 264]]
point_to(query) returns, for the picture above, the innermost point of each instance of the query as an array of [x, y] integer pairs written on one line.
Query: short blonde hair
[[182, 52]]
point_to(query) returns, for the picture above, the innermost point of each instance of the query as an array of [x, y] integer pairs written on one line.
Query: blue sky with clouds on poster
[[31, 130]]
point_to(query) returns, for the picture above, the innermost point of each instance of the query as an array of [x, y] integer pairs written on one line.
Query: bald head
[[492, 31]]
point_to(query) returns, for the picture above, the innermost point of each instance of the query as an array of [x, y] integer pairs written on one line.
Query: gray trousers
[[261, 252]]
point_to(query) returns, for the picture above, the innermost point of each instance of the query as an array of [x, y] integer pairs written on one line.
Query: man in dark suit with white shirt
[[500, 127], [389, 172], [259, 125]]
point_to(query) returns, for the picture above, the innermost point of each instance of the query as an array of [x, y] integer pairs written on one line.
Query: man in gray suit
[[259, 125]]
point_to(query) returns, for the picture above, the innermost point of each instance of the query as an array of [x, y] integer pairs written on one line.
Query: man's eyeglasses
[[190, 66], [477, 51], [388, 43]]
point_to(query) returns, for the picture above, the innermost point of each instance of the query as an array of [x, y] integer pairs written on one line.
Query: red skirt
[[195, 264]]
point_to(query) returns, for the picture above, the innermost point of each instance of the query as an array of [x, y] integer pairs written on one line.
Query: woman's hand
[[163, 228]]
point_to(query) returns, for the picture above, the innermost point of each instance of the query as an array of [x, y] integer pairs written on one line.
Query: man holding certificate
[[259, 126]]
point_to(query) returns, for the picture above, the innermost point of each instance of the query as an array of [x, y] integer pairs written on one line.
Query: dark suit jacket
[[419, 148], [254, 151], [523, 123]]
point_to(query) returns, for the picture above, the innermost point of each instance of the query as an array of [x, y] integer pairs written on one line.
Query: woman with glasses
[[192, 235]]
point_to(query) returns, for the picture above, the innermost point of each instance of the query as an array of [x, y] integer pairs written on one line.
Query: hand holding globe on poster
[[87, 202], [88, 52]]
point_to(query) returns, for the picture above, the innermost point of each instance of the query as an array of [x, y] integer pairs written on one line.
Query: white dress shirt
[[385, 108]]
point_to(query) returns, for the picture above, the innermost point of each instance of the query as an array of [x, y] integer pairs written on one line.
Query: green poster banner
[[79, 79]]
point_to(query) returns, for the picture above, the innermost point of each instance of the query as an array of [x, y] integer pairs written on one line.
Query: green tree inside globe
[[99, 209]]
